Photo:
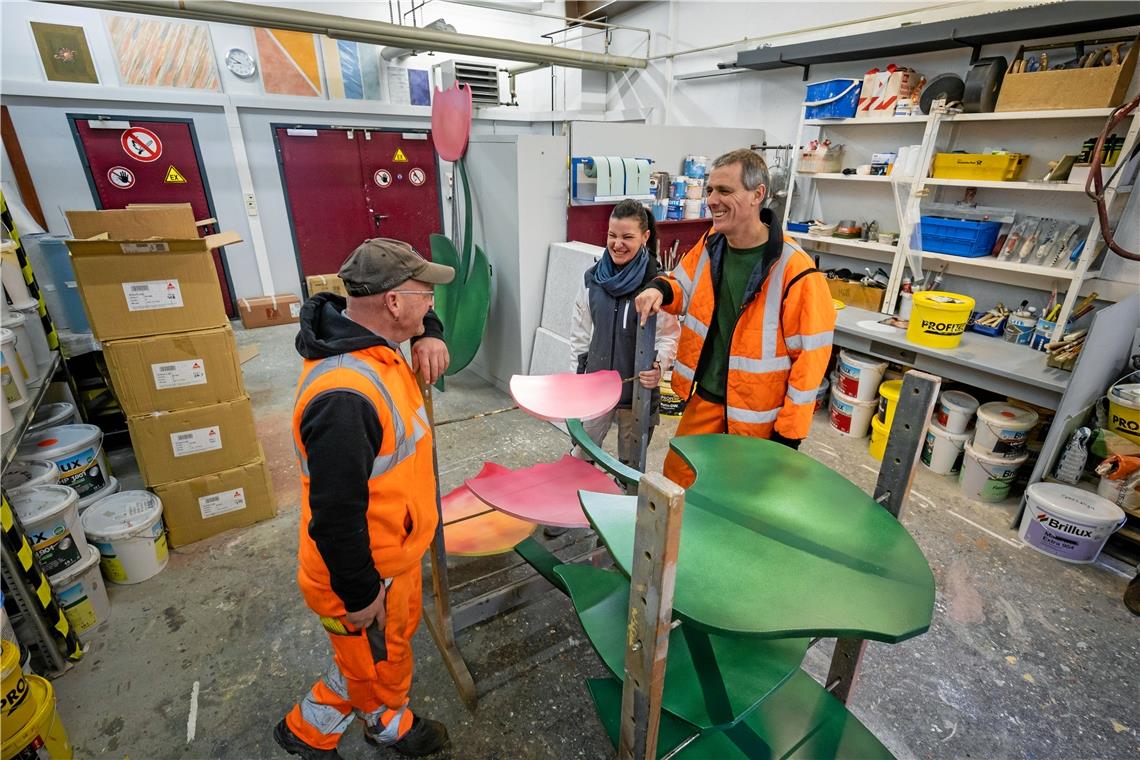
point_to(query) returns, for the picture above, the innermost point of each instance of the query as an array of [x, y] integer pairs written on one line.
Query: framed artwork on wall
[[64, 53], [290, 64], [156, 53]]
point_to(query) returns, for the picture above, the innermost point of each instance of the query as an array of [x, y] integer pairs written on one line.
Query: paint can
[[676, 209], [43, 736], [939, 318], [26, 473], [889, 391], [942, 451], [879, 434], [1124, 409], [51, 415], [677, 188], [128, 530], [1019, 327], [695, 167], [11, 373], [986, 477], [50, 517], [36, 336], [859, 376], [659, 185], [671, 404], [82, 593], [692, 208], [956, 410], [7, 421], [111, 489], [12, 276], [15, 321], [1067, 522], [1003, 429], [822, 394], [1122, 492], [694, 189], [850, 416], [18, 706], [660, 210], [78, 452]]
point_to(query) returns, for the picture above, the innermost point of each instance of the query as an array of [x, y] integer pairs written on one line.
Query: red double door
[[345, 186]]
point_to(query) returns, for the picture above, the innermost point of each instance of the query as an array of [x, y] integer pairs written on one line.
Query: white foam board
[[551, 353], [567, 265]]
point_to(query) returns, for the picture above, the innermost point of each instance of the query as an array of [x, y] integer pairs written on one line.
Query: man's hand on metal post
[[373, 613], [429, 359], [650, 378], [648, 303]]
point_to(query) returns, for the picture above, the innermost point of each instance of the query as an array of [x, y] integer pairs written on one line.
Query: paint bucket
[[671, 404], [943, 450], [7, 421], [1003, 429], [18, 704], [677, 188], [25, 473], [111, 489], [12, 276], [36, 335], [694, 189], [50, 517], [43, 736], [822, 394], [986, 477], [692, 208], [859, 376], [850, 416], [938, 318], [1067, 522], [676, 209], [888, 401], [128, 530], [1124, 409], [879, 434], [15, 321], [956, 410], [78, 452], [1120, 492], [11, 373], [50, 415], [82, 593]]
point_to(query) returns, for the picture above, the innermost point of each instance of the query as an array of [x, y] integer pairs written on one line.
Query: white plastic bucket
[[7, 421], [12, 277], [1120, 492], [17, 323], [128, 530], [822, 394], [25, 473], [1003, 429], [1067, 522], [11, 373], [986, 477], [859, 376], [78, 452], [111, 489], [82, 593], [51, 415], [50, 517], [943, 451], [850, 416], [36, 335], [956, 410]]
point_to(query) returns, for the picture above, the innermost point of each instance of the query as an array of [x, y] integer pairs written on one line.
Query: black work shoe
[[1132, 595], [425, 737], [289, 742], [553, 531]]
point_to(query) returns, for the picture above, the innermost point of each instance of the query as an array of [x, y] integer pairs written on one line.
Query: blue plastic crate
[[833, 99], [957, 237], [993, 332], [799, 226]]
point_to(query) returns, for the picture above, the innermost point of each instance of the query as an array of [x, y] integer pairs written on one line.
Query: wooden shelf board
[[990, 262]]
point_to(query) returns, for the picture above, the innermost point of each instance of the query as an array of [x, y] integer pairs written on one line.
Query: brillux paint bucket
[[1067, 522], [25, 473], [850, 416], [82, 593], [822, 395], [888, 400], [1003, 429], [51, 415], [78, 452], [986, 477], [943, 451], [111, 489], [938, 319], [1124, 409], [50, 517], [128, 530], [11, 375], [879, 434], [956, 410], [18, 706], [43, 736], [858, 377]]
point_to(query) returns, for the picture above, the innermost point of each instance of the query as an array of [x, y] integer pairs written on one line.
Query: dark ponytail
[[629, 208]]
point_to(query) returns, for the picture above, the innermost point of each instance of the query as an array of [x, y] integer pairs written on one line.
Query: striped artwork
[[155, 53], [289, 61], [352, 69]]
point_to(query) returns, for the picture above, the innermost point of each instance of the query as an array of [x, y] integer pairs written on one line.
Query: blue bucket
[[833, 99]]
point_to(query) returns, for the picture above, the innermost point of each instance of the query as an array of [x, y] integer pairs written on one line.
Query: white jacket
[[582, 330]]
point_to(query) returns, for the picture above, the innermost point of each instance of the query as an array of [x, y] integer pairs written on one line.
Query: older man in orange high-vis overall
[[368, 496], [758, 319]]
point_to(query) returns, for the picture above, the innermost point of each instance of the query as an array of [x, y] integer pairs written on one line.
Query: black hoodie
[[342, 435]]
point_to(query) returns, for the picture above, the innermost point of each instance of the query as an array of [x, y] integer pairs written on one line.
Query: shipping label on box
[[201, 507], [179, 374], [220, 503], [158, 294], [188, 443], [265, 311]]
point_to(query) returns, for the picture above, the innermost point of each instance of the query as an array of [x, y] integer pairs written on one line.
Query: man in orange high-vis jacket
[[758, 319], [368, 496]]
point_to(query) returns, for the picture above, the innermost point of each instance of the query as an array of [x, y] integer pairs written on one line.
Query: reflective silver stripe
[[391, 732], [696, 325], [802, 397], [682, 278], [809, 342], [702, 264], [683, 369], [334, 679], [775, 364], [736, 414], [325, 718], [772, 304]]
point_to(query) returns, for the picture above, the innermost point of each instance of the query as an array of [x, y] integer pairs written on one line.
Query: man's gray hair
[[753, 170]]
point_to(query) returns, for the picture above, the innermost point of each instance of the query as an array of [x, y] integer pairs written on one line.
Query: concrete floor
[[1027, 657]]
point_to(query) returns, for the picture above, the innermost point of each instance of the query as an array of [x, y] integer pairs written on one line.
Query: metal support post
[[642, 396]]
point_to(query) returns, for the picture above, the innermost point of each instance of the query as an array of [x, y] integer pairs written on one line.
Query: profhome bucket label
[[153, 294], [196, 441], [178, 374], [222, 502]]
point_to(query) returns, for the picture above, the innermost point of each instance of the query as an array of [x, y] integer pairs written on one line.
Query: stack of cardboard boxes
[[152, 295]]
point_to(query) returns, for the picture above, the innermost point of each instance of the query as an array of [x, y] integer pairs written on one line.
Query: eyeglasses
[[428, 293]]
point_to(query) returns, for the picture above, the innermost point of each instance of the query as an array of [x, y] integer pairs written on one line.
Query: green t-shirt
[[738, 267]]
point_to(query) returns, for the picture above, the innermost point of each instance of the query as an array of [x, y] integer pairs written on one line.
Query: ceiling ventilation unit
[[484, 79]]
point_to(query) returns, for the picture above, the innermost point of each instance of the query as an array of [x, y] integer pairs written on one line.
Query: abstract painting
[[419, 85], [156, 53], [352, 69], [290, 64], [64, 53]]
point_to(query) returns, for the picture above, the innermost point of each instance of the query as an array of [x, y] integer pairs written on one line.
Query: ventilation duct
[[396, 53]]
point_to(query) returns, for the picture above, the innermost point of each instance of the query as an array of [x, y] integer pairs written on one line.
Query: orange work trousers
[[700, 416], [369, 677]]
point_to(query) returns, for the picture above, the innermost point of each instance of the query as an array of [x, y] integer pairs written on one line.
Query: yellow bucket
[[671, 404], [888, 399], [879, 432], [18, 707], [44, 735], [1124, 409], [938, 318]]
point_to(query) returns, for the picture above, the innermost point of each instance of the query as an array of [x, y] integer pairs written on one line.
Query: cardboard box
[[882, 90], [265, 311], [201, 507], [189, 443], [145, 271], [857, 295], [1096, 87], [325, 283], [175, 371]]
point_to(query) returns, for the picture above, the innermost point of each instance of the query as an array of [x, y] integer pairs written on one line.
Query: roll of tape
[[982, 85]]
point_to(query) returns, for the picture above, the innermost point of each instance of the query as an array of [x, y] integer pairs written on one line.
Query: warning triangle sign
[[174, 177], [400, 158]]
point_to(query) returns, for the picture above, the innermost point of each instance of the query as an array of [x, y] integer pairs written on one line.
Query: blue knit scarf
[[621, 282]]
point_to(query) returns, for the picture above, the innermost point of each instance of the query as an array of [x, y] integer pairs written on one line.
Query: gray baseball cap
[[381, 264]]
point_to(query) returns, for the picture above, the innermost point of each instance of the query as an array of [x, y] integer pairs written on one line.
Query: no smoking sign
[[417, 176], [141, 144]]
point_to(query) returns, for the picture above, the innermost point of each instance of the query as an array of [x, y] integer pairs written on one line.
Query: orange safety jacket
[[401, 514], [779, 348]]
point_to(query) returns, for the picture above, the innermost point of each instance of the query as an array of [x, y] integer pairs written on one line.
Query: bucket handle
[[854, 83]]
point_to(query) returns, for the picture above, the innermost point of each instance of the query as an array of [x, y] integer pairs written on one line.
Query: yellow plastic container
[[938, 318], [18, 704], [985, 166], [1124, 408], [888, 399], [44, 735], [879, 432]]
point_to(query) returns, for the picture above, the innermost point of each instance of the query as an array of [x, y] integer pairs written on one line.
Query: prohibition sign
[[121, 177], [417, 177], [141, 144], [382, 177]]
